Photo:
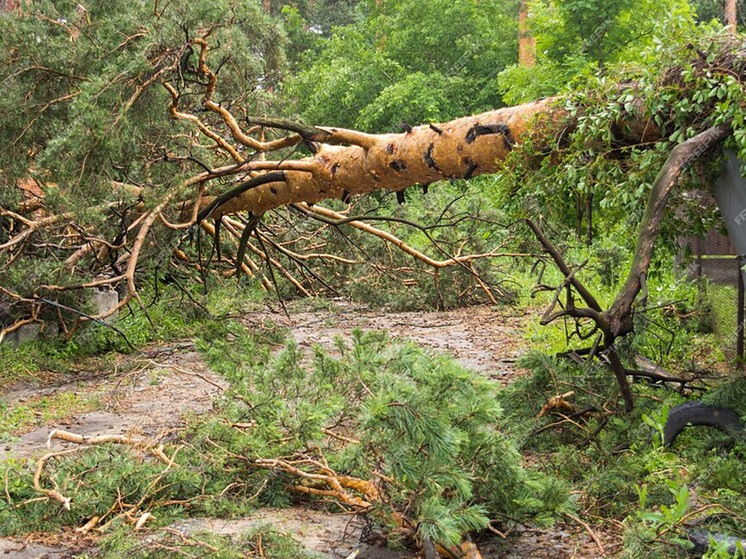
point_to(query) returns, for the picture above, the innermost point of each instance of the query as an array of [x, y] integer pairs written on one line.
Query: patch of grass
[[17, 418], [172, 315], [34, 361], [262, 542], [17, 364]]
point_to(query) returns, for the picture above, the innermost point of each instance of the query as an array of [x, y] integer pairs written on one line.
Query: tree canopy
[[113, 110]]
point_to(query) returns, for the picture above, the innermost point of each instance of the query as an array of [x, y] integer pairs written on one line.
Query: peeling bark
[[348, 162]]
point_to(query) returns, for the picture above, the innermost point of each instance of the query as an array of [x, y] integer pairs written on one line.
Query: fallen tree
[[235, 196], [235, 187]]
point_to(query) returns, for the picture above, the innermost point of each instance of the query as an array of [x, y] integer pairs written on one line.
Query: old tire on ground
[[701, 541], [696, 413]]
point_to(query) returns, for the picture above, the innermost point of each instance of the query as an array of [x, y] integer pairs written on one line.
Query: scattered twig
[[590, 531]]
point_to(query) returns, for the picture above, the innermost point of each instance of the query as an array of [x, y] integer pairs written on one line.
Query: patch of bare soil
[[24, 550], [331, 535], [158, 395], [561, 541], [484, 339], [64, 545], [152, 398]]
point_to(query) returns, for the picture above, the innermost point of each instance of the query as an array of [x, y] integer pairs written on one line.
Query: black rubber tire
[[696, 413], [701, 541]]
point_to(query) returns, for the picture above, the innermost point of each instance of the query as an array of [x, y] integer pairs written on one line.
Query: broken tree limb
[[52, 493], [617, 320], [317, 478], [593, 312], [589, 299], [144, 444], [398, 243], [619, 314]]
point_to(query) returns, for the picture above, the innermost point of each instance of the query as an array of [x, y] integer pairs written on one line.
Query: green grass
[[154, 544], [171, 316], [19, 363], [17, 418]]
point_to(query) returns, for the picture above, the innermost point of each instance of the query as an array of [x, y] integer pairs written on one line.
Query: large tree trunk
[[349, 162], [459, 149]]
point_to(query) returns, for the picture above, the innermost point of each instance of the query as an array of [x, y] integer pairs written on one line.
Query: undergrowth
[[618, 461], [19, 417], [426, 433], [170, 313]]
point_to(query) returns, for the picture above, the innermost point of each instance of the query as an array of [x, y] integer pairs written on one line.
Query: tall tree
[[731, 14], [526, 41]]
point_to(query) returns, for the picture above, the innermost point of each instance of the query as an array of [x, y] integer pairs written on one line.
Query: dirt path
[[154, 398], [483, 339]]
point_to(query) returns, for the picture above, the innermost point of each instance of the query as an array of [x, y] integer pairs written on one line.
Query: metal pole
[[740, 317]]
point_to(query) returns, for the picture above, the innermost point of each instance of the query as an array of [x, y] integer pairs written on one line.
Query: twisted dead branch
[[132, 513], [618, 320]]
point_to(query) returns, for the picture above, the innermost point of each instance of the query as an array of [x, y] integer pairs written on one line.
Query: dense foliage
[[375, 413], [84, 113], [408, 62]]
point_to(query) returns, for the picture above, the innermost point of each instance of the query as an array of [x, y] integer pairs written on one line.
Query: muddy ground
[[170, 383]]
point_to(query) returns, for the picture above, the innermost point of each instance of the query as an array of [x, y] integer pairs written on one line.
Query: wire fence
[[716, 267]]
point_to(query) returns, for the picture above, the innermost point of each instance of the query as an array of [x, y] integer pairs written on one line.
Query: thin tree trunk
[[526, 42], [731, 15]]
